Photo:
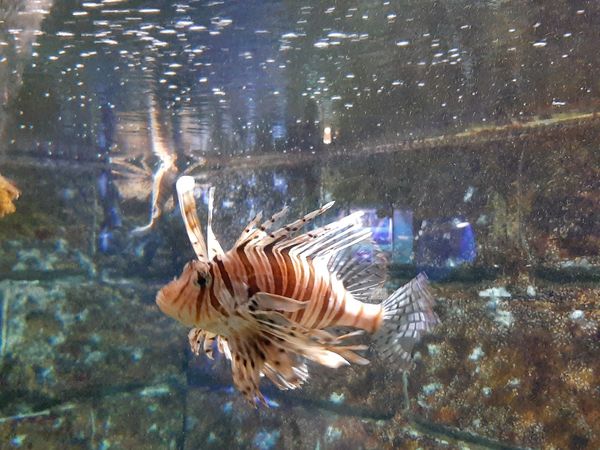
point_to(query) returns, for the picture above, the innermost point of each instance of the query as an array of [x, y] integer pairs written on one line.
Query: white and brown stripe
[[267, 269]]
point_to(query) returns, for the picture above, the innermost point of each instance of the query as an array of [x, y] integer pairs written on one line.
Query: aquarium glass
[[464, 134]]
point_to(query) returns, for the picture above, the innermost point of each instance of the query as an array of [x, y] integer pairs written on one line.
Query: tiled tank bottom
[[88, 365]]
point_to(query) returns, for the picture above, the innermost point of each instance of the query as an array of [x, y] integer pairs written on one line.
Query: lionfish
[[269, 301]]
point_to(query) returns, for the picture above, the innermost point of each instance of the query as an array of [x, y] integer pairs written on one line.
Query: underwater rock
[[577, 315], [66, 340], [232, 423], [495, 292], [531, 384], [132, 420], [336, 398], [122, 420], [36, 261], [32, 260], [42, 219]]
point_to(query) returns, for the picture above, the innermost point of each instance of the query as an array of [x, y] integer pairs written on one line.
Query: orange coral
[[8, 193]]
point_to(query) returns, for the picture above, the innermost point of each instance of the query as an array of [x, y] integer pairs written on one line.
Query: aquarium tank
[[465, 135]]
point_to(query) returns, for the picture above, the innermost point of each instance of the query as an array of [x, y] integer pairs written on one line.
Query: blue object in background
[[403, 236], [278, 131], [105, 240], [108, 193], [468, 246], [393, 235], [280, 183], [380, 226], [444, 244], [109, 199]]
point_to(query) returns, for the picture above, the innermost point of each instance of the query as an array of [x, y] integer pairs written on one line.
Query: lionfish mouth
[[160, 301], [173, 306]]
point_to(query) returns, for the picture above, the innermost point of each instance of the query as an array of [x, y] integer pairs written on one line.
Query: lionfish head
[[181, 298]]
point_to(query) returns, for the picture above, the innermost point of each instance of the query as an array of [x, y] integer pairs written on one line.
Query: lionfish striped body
[[268, 301]]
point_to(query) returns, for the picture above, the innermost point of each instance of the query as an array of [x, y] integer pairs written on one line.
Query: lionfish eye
[[201, 280]]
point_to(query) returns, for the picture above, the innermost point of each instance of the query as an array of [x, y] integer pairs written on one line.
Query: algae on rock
[[8, 193]]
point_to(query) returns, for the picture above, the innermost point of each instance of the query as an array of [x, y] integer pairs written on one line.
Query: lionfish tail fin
[[407, 315], [263, 354]]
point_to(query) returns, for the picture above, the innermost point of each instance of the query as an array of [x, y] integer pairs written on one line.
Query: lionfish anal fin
[[204, 340], [275, 346]]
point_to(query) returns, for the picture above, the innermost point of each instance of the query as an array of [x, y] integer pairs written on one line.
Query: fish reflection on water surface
[[166, 171], [268, 301]]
